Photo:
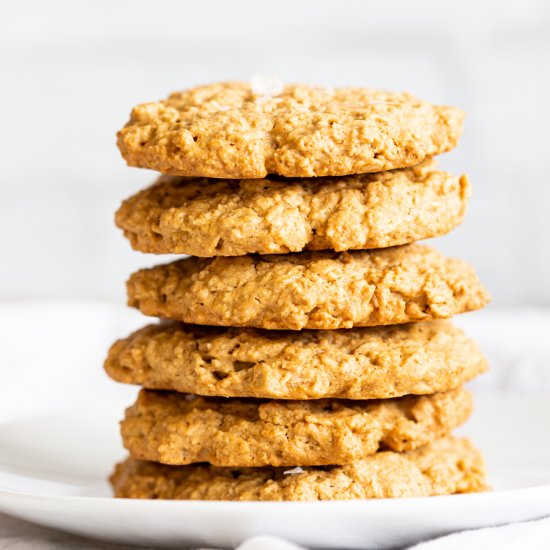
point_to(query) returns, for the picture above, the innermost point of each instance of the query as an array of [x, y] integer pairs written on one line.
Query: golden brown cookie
[[178, 429], [320, 290], [443, 467], [208, 217], [239, 130], [359, 363]]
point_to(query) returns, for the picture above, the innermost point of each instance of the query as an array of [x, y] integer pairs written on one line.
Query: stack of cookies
[[302, 352]]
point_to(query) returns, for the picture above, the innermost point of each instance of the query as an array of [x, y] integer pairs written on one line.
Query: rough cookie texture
[[231, 130], [359, 363], [445, 466], [320, 290], [179, 429], [208, 217]]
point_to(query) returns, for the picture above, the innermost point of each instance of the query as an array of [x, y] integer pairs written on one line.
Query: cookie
[[359, 363], [318, 290], [446, 466], [178, 429], [207, 217], [239, 130]]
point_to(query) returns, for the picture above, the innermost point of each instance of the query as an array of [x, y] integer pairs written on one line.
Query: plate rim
[[506, 493]]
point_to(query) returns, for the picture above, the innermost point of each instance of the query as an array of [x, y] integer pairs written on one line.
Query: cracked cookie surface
[[318, 290], [359, 363], [235, 130], [179, 429], [209, 217], [446, 466]]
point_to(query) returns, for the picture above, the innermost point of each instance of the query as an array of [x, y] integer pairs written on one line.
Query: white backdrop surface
[[71, 71]]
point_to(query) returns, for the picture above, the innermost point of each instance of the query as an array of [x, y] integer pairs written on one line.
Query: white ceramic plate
[[53, 470], [59, 440]]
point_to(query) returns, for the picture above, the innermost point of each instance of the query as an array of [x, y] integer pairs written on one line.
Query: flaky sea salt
[[190, 397], [268, 86], [294, 471]]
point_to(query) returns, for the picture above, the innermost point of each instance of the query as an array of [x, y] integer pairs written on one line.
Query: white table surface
[[21, 535]]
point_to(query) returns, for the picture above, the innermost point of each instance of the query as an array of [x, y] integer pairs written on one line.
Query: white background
[[71, 71]]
